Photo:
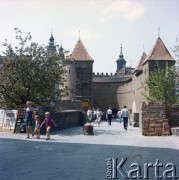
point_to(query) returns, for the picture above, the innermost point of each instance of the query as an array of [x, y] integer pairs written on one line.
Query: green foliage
[[161, 85], [29, 73]]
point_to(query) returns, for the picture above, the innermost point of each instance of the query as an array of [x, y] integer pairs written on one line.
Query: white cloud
[[136, 11], [127, 9]]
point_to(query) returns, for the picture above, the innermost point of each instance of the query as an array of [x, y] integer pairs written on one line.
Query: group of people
[[97, 115], [33, 122]]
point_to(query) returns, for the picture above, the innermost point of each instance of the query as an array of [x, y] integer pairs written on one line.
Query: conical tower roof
[[139, 66], [159, 52], [51, 40], [80, 53]]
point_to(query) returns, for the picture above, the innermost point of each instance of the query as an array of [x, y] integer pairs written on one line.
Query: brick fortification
[[125, 87], [78, 75]]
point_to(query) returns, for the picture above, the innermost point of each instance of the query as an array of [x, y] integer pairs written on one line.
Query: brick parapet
[[173, 115], [154, 120]]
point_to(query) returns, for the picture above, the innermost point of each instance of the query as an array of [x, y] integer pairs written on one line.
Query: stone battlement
[[110, 74], [104, 74]]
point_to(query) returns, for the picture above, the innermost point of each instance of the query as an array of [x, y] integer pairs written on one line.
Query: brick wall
[[173, 115], [154, 120], [67, 105], [104, 95]]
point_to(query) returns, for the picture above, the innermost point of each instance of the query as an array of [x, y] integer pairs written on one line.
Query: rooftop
[[159, 52], [80, 53], [139, 66]]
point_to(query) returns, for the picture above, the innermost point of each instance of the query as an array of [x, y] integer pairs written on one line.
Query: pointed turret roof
[[80, 53], [61, 48], [159, 52], [51, 40], [139, 66], [121, 56]]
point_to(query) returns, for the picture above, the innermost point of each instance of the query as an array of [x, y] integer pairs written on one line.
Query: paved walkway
[[70, 155], [104, 134]]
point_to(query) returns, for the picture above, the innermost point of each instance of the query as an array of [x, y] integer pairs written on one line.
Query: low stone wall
[[154, 120], [173, 115], [66, 119], [67, 105]]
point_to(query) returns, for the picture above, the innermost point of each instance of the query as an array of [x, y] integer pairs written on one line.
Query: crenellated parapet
[[117, 74], [104, 74]]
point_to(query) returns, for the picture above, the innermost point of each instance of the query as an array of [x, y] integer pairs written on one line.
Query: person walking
[[48, 121], [94, 114], [28, 118], [37, 127], [109, 116], [34, 113], [119, 116], [125, 116], [98, 116], [90, 114]]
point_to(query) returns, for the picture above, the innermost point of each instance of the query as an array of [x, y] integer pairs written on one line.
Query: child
[[37, 127], [48, 120]]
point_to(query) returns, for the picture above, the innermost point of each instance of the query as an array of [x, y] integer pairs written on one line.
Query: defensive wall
[[104, 95], [67, 105]]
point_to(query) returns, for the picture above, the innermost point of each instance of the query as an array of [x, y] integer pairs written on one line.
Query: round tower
[[69, 85]]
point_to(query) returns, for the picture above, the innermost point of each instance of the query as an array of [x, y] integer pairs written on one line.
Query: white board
[[10, 117]]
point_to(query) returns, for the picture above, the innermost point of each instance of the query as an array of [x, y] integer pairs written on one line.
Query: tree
[[175, 50], [29, 73], [160, 85]]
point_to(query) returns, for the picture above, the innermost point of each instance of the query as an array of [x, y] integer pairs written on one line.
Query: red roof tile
[[159, 52], [139, 66], [79, 53]]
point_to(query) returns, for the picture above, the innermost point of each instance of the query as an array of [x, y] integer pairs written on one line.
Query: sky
[[103, 24]]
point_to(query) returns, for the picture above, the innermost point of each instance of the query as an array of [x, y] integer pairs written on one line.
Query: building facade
[[78, 75], [124, 87]]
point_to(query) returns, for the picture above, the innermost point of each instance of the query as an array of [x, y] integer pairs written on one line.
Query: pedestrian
[[119, 116], [37, 127], [109, 115], [94, 114], [89, 114], [98, 116], [102, 115], [34, 113], [125, 116], [48, 121], [28, 118]]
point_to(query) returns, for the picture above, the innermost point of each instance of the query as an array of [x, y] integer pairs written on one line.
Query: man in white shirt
[[109, 116], [125, 116], [89, 114]]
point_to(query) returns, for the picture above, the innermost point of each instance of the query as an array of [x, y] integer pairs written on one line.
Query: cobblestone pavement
[[70, 155]]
